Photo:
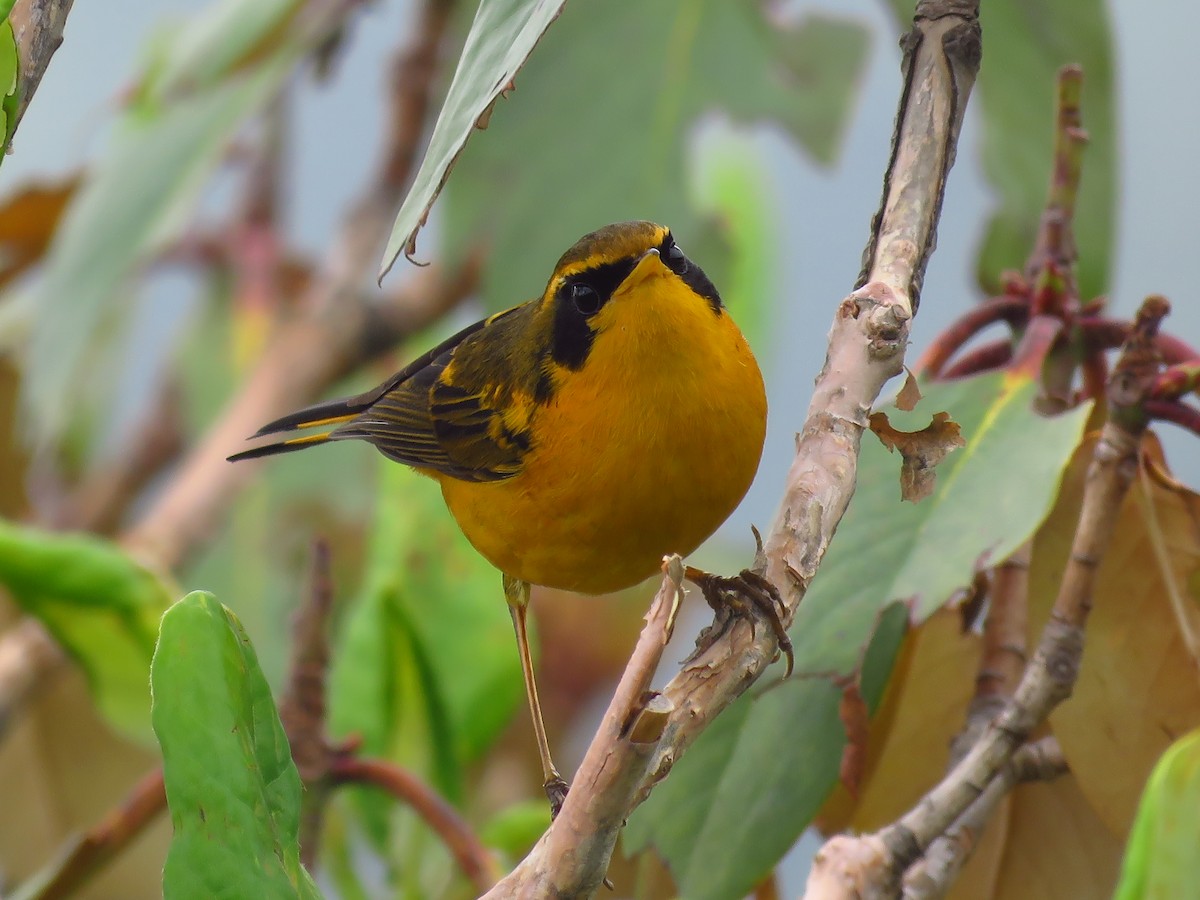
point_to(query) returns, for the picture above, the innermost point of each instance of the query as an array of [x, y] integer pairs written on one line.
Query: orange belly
[[644, 451]]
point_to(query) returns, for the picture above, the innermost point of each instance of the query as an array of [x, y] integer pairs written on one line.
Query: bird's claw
[[743, 595], [556, 792]]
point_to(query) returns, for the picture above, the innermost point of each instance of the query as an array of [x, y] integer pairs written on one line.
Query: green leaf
[[530, 189], [9, 64], [746, 761], [889, 555], [231, 785], [755, 743], [1160, 858], [1161, 855], [101, 606], [501, 38], [925, 553], [215, 42]]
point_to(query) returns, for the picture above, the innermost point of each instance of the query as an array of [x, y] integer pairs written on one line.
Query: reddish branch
[[472, 857], [1176, 413], [1013, 310], [1002, 660], [323, 765], [1100, 334], [984, 358]]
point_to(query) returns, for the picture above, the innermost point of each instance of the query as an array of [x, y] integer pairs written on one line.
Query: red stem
[[1176, 413], [981, 359], [1011, 309], [472, 857], [1106, 334]]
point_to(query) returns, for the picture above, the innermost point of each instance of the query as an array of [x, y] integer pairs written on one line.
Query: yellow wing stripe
[[330, 420], [312, 438]]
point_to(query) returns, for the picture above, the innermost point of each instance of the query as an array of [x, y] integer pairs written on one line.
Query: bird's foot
[[556, 792], [745, 595]]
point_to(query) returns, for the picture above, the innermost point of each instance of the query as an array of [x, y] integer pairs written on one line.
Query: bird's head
[[629, 273]]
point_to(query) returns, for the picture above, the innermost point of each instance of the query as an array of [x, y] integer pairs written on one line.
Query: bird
[[579, 437]]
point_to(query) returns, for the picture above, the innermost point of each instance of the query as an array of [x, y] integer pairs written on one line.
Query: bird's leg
[[743, 595], [516, 592]]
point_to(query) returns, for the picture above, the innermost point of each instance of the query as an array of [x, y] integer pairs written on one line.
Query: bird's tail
[[335, 412]]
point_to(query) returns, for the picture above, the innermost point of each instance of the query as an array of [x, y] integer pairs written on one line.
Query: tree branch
[[38, 28], [1002, 660], [473, 858], [1049, 678], [933, 876]]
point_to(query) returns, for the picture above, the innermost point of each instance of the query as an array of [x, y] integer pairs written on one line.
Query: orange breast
[[644, 451]]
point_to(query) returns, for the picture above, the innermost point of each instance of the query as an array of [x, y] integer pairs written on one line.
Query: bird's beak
[[650, 264]]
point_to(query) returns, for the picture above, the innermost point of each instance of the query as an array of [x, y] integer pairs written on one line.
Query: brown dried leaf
[[1056, 846], [910, 394], [28, 220], [922, 451]]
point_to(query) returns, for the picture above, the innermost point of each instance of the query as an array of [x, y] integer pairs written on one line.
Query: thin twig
[[984, 358], [1002, 660], [1051, 265], [1100, 333], [1176, 413], [473, 858], [933, 876], [1178, 380], [38, 28], [98, 503], [28, 657], [302, 708]]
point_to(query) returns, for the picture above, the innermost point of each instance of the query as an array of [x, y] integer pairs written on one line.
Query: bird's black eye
[[585, 298], [676, 261]]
